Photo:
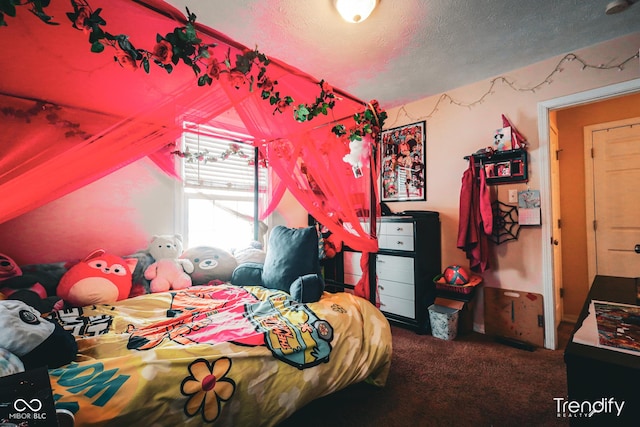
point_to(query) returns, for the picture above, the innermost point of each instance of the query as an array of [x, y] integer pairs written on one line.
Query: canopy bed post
[[373, 211], [256, 196]]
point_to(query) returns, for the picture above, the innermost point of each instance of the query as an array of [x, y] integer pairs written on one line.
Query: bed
[[217, 354]]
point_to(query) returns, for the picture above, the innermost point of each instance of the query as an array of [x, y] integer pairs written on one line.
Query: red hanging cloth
[[476, 217]]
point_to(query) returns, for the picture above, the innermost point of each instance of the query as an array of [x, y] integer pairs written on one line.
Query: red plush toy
[[8, 268], [100, 278]]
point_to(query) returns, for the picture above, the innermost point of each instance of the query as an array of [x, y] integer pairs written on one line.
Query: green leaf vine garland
[[184, 45]]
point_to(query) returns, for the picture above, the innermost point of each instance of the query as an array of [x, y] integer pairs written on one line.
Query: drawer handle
[[400, 243], [381, 287], [399, 229]]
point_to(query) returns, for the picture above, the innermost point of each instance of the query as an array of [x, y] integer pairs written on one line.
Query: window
[[219, 190]]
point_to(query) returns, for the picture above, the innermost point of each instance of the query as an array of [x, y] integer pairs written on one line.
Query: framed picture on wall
[[402, 169]]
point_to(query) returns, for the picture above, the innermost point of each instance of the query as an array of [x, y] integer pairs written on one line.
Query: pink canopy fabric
[[70, 116]]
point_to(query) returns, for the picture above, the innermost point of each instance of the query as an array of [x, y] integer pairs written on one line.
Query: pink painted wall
[[118, 213]]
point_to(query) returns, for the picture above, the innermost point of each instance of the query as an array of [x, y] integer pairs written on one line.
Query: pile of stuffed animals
[[29, 339], [31, 295], [104, 278]]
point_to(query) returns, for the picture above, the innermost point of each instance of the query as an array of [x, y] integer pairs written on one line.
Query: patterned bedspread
[[216, 355]]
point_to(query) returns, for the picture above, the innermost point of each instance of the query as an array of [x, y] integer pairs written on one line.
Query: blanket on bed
[[216, 355]]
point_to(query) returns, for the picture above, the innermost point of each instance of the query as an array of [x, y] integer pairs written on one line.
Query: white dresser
[[408, 259]]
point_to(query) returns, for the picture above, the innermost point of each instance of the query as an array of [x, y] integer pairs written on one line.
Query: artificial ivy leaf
[[368, 114], [338, 130], [243, 64], [145, 64], [8, 7], [97, 47], [124, 43], [96, 16], [43, 16], [202, 80], [203, 52], [191, 33], [301, 113], [95, 35], [181, 35], [169, 68], [3, 23], [190, 16]]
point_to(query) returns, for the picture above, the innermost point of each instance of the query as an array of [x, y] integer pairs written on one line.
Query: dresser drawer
[[396, 236], [396, 289], [396, 243], [395, 268], [398, 306], [396, 228]]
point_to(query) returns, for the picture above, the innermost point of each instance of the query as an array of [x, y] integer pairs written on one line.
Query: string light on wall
[[570, 57], [355, 11]]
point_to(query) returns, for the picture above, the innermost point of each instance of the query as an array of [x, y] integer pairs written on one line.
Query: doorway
[[549, 266]]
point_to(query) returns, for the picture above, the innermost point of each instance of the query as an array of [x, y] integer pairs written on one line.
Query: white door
[[556, 233], [615, 219]]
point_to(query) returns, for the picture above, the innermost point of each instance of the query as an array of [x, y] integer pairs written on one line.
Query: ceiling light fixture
[[618, 6], [355, 10]]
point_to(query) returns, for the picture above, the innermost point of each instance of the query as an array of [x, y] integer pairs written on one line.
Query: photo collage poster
[[403, 175]]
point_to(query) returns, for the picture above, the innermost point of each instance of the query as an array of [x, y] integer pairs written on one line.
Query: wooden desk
[[598, 374]]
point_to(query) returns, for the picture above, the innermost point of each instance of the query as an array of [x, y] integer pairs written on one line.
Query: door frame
[[589, 96]]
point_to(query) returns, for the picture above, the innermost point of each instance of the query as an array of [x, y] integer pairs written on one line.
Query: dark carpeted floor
[[470, 381]]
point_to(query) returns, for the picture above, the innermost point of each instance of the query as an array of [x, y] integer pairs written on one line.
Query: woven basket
[[459, 289]]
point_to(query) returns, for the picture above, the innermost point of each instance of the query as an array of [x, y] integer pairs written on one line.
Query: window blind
[[228, 165]]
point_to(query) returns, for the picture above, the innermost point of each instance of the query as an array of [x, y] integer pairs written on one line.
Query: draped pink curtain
[[96, 117]]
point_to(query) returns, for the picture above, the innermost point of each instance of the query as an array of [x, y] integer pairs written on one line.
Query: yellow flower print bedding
[[216, 355]]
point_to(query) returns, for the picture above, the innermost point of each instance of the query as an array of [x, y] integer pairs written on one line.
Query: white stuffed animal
[[168, 271]]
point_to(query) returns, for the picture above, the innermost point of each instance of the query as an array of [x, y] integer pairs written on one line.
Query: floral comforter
[[216, 355]]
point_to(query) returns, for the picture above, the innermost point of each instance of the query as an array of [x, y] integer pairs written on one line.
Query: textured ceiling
[[410, 49]]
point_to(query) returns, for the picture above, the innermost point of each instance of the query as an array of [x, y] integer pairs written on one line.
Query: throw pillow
[[291, 253], [307, 288], [247, 274]]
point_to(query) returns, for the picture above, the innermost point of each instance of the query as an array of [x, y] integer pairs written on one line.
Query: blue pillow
[[291, 253], [307, 288], [247, 274]]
